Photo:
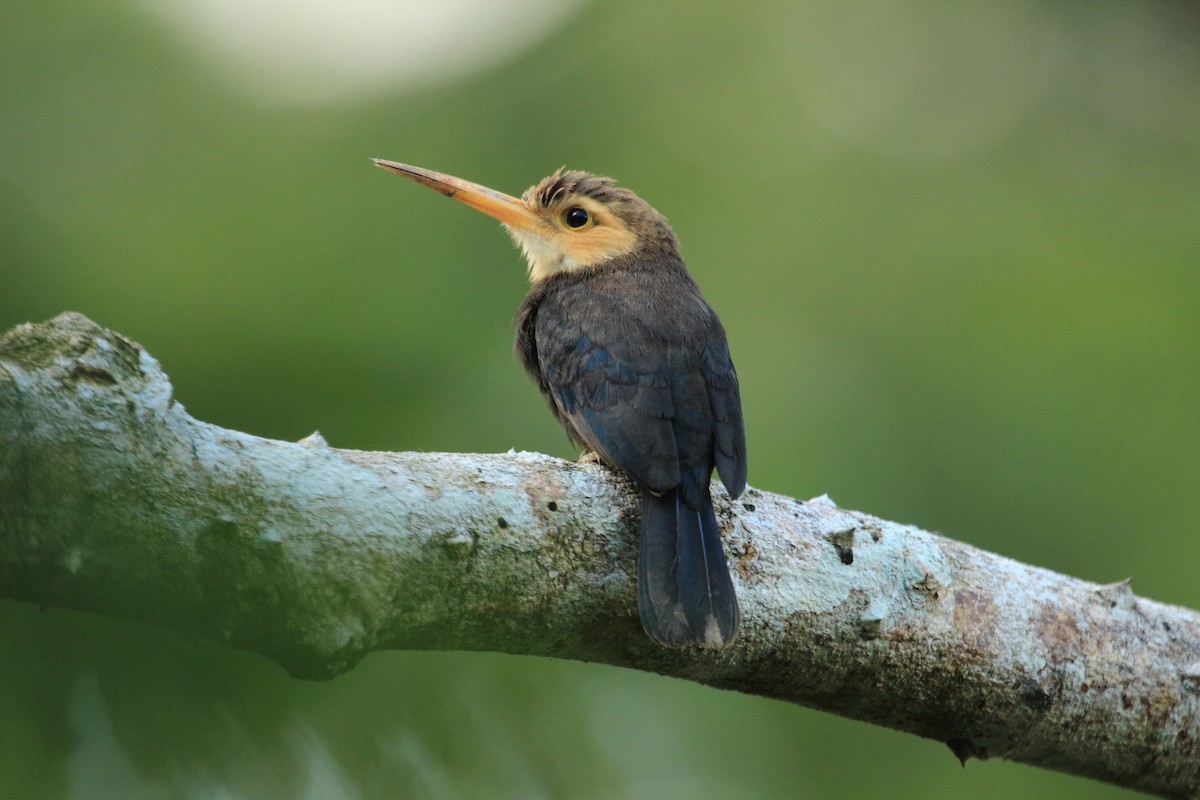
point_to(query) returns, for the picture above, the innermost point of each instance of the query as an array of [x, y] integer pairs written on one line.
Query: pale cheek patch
[[563, 251], [543, 258], [596, 245]]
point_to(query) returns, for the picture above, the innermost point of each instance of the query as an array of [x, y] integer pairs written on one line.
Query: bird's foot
[[589, 457]]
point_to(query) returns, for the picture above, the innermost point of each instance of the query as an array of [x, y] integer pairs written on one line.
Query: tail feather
[[685, 593]]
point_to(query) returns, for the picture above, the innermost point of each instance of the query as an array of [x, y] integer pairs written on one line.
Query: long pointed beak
[[507, 209]]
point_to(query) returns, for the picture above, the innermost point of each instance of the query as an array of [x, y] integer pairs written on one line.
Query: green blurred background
[[956, 247]]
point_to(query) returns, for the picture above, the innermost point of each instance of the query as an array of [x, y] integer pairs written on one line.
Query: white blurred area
[[303, 52]]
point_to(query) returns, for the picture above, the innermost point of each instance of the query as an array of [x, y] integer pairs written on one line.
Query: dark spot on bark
[[929, 586], [502, 522], [1036, 697], [1084, 687], [553, 506], [748, 506], [1058, 629], [99, 375], [843, 543], [974, 613], [1160, 704]]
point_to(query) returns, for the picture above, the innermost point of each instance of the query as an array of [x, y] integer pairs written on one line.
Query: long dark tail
[[685, 595]]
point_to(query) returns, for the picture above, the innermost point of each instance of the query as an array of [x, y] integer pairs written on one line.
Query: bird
[[635, 365]]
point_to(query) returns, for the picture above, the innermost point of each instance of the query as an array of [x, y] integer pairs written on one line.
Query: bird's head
[[569, 221]]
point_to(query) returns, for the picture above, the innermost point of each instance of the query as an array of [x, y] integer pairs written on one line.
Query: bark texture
[[113, 500]]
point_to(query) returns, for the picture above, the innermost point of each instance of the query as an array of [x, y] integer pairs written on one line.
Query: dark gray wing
[[618, 400], [655, 397]]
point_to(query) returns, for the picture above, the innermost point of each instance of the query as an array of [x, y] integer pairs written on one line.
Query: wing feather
[[642, 375]]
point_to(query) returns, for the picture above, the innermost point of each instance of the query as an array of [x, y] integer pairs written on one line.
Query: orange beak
[[509, 210]]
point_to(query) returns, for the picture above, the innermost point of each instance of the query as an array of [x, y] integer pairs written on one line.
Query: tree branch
[[114, 500]]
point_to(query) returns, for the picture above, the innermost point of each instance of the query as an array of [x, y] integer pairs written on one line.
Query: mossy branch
[[113, 500]]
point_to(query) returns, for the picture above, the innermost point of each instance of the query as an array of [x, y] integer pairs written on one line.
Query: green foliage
[[957, 253]]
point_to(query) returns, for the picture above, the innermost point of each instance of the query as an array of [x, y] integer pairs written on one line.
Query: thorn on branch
[[460, 543], [314, 440], [929, 585], [873, 616], [965, 749], [1119, 594]]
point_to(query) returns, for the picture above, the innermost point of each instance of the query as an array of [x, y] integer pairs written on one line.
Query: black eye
[[576, 217]]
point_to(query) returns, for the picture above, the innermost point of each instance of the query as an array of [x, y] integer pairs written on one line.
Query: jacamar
[[635, 366]]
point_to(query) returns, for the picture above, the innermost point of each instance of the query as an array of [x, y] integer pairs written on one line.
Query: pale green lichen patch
[[887, 564]]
